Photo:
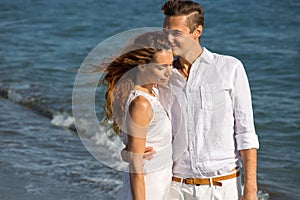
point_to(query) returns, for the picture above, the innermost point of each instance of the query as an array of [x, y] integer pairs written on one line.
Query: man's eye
[[176, 33], [173, 32]]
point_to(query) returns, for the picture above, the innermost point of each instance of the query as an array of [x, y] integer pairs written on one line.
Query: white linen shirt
[[211, 115]]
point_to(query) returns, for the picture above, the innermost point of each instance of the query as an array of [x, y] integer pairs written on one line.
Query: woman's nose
[[168, 71]]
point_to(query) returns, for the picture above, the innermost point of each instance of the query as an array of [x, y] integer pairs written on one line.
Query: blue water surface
[[43, 43]]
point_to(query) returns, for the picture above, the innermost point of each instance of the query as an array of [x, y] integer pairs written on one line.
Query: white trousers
[[231, 189]]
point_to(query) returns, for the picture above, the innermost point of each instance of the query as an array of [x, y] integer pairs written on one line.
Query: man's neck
[[192, 54], [188, 59]]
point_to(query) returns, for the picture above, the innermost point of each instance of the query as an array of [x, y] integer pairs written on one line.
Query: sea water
[[42, 45]]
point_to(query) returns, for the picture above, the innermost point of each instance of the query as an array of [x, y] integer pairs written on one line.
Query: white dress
[[157, 171]]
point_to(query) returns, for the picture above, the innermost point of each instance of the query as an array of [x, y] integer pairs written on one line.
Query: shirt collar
[[206, 56]]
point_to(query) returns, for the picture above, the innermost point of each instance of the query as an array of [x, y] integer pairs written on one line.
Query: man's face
[[177, 23], [179, 34]]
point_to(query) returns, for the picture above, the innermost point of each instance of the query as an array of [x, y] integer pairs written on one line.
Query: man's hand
[[148, 155], [149, 151], [249, 196]]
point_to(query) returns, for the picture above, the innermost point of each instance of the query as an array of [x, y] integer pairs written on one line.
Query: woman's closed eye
[[162, 66]]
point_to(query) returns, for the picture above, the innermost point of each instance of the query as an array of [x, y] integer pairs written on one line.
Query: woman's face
[[160, 69]]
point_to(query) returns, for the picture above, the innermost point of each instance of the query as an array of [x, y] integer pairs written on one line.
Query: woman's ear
[[141, 68]]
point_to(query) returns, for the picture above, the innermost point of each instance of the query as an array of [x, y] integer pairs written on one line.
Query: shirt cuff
[[247, 141]]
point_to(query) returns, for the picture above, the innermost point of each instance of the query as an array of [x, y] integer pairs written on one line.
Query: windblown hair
[[120, 74], [193, 11]]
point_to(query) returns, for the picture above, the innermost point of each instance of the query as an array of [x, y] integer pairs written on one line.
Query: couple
[[194, 111]]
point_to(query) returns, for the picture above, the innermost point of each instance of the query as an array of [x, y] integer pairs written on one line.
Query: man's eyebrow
[[172, 31], [178, 32]]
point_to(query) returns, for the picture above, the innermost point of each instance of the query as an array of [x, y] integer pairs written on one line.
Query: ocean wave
[[30, 101], [102, 142], [60, 119], [63, 120], [262, 195]]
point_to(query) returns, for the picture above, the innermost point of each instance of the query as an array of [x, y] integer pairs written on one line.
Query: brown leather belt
[[206, 181]]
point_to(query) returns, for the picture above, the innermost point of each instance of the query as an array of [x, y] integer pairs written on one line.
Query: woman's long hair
[[120, 74]]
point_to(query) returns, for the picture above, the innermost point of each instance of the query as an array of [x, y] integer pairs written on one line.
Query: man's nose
[[170, 38]]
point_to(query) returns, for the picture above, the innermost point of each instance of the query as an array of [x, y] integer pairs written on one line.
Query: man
[[209, 102]]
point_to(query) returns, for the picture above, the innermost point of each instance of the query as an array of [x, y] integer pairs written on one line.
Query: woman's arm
[[137, 125]]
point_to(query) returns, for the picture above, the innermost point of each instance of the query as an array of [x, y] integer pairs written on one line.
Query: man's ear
[[198, 31]]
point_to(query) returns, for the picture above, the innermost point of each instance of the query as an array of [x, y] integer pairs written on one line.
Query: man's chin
[[179, 53], [176, 51]]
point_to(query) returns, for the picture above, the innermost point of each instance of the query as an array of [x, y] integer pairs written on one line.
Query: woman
[[133, 106]]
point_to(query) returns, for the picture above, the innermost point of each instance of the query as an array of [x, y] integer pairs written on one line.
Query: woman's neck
[[147, 88], [143, 85]]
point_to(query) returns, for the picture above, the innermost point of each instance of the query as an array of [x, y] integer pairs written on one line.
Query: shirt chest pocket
[[212, 96]]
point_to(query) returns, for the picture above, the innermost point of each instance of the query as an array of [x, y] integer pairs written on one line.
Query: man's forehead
[[175, 20]]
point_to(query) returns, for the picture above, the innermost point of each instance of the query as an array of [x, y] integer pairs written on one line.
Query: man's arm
[[246, 138], [249, 159]]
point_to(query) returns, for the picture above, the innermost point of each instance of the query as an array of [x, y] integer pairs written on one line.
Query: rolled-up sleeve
[[245, 135]]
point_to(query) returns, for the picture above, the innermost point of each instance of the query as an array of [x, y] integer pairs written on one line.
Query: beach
[[42, 46]]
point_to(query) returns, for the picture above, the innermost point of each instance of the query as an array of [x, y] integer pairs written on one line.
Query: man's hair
[[193, 11]]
